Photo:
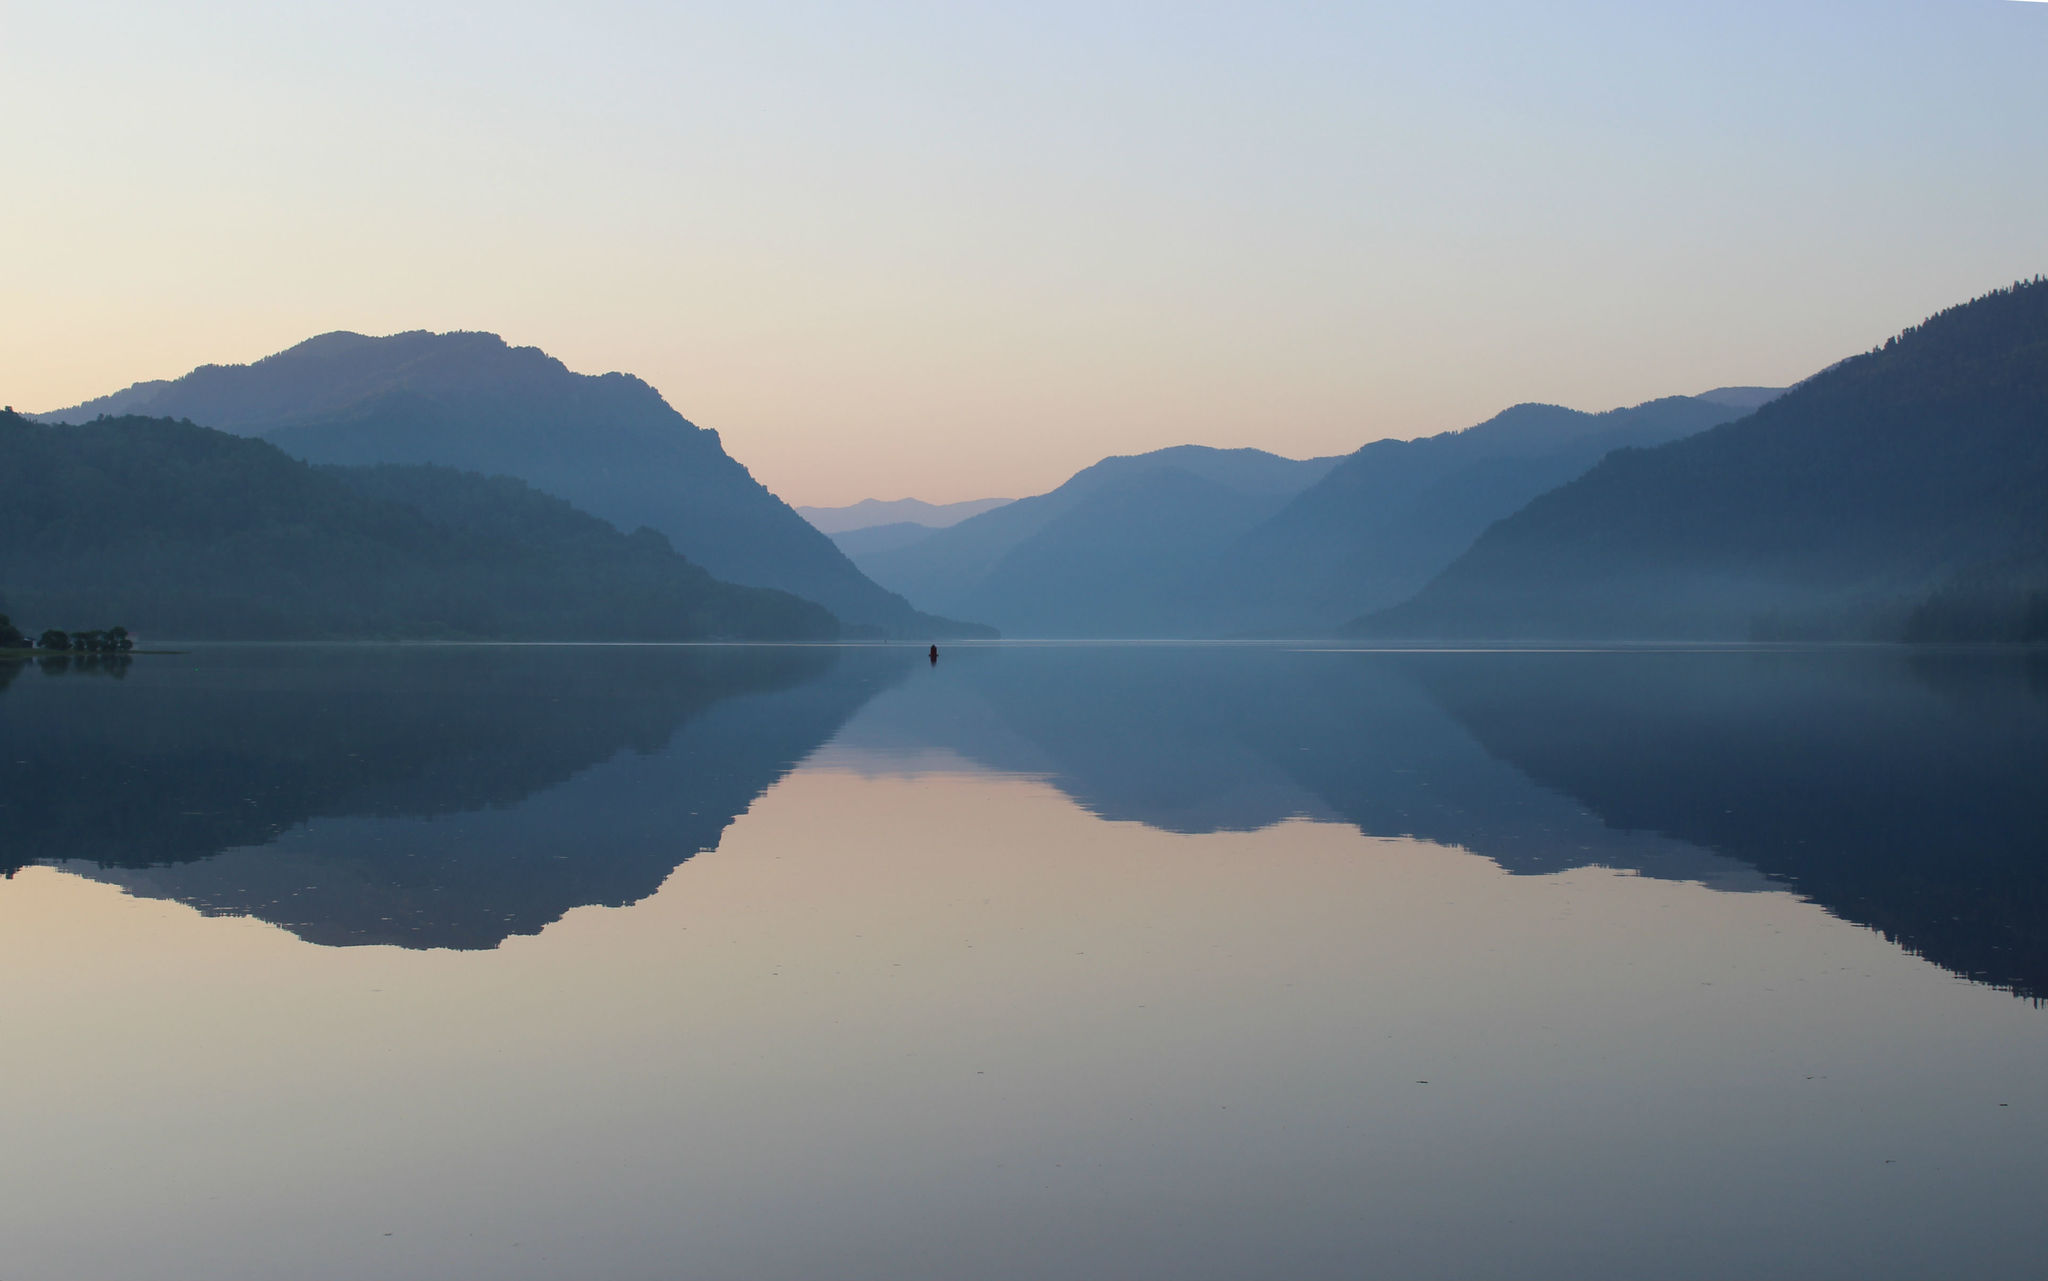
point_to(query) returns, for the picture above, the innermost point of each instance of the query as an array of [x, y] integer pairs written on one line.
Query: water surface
[[1061, 961]]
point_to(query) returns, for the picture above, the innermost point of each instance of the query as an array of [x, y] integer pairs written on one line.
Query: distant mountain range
[[1389, 517], [870, 512], [176, 530], [1207, 542], [871, 540], [608, 444], [1106, 553], [1902, 493], [1743, 398]]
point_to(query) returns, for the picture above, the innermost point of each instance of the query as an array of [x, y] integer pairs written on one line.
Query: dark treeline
[[106, 651], [114, 640], [2006, 602], [197, 534]]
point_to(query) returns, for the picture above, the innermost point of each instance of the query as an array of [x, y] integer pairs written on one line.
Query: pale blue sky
[[951, 250]]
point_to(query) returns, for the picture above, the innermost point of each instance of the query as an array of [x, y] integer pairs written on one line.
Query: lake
[[1042, 961]]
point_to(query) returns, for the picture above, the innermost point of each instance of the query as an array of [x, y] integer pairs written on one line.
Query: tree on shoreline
[[114, 640]]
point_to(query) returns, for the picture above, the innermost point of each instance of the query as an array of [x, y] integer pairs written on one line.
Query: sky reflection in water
[[1043, 962]]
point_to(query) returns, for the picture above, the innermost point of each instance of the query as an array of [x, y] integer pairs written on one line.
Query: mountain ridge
[[871, 512], [1840, 510], [1392, 514], [1195, 541], [186, 531], [607, 443], [993, 565]]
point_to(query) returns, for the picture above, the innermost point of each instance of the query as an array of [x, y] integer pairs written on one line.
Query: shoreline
[[33, 655]]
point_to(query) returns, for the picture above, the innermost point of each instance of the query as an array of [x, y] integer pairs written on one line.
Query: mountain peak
[[1741, 397]]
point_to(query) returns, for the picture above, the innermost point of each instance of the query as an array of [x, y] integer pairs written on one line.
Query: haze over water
[[1042, 961]]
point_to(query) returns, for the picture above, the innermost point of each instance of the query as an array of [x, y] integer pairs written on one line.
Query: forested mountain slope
[[176, 530], [609, 444], [1899, 493], [1205, 542], [1391, 516]]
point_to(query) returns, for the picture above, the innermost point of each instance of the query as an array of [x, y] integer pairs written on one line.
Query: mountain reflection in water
[[453, 797], [364, 795], [1907, 792]]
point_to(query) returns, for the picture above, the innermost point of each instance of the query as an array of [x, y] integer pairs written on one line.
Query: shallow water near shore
[[1039, 961]]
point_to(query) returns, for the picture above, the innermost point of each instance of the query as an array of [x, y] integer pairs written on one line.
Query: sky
[[957, 250]]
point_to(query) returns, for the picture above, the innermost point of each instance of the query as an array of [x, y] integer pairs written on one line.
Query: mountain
[[1205, 542], [1103, 554], [1903, 492], [608, 444], [1746, 399], [1389, 517], [870, 512], [872, 539], [174, 529]]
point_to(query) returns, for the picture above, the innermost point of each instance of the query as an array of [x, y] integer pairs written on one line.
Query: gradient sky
[[952, 250]]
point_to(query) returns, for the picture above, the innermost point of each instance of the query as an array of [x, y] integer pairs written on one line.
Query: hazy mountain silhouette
[[608, 444], [174, 529], [436, 797], [1900, 492], [869, 540], [1747, 399], [1901, 792], [1391, 516], [1105, 552], [870, 512], [1199, 542]]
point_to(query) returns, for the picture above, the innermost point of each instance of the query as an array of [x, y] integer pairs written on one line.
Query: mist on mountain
[[1193, 541], [1898, 494], [1103, 554], [1389, 517]]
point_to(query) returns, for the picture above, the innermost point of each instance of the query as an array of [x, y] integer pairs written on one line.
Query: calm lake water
[[1042, 962]]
